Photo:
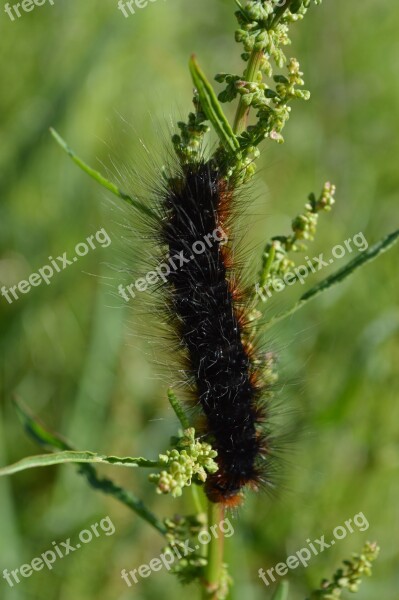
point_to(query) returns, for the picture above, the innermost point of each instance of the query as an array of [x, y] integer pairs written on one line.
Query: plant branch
[[250, 75]]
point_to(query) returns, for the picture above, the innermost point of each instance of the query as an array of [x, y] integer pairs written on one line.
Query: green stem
[[267, 265], [196, 498], [213, 569], [241, 118], [250, 74]]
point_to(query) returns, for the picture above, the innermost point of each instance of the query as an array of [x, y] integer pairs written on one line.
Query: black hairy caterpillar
[[207, 311]]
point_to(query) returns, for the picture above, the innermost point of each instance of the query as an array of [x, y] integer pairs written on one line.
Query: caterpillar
[[208, 311]]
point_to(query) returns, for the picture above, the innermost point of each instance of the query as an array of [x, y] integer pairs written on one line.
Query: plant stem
[[196, 499], [241, 118], [213, 570], [250, 74], [268, 265]]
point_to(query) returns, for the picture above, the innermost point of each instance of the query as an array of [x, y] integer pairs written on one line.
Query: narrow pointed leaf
[[179, 410], [101, 179], [45, 460], [40, 434], [212, 108]]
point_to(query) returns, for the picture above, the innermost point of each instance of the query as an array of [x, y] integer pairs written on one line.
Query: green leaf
[[52, 441], [281, 592], [72, 456], [212, 108], [41, 435], [362, 259], [101, 179]]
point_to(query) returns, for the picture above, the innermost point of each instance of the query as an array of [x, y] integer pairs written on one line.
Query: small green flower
[[189, 460], [350, 577], [275, 259]]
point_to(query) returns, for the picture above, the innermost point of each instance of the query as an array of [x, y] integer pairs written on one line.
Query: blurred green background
[[78, 358]]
